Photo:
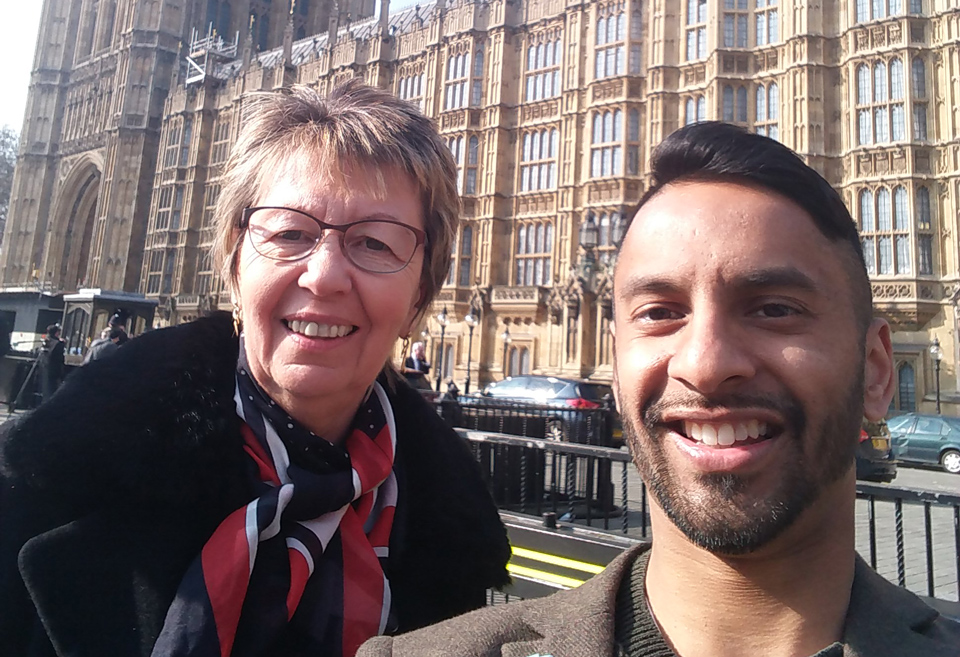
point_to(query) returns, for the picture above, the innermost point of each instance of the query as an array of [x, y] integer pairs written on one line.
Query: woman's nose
[[327, 270], [711, 355]]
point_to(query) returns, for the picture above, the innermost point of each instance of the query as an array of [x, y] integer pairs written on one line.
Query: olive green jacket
[[883, 620]]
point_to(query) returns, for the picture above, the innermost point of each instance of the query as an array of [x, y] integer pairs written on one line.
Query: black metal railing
[[577, 483], [911, 537]]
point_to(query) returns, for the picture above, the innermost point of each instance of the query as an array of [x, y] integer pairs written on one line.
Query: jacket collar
[[883, 620]]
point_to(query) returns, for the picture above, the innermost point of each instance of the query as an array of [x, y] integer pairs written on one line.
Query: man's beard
[[722, 516]]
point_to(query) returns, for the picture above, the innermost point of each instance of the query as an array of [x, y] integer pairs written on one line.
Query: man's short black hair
[[719, 152], [53, 330], [116, 333]]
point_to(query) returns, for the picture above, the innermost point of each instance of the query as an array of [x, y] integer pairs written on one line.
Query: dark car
[[583, 410], [875, 460], [927, 440]]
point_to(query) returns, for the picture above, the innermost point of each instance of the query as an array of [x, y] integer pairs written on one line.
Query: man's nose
[[712, 354]]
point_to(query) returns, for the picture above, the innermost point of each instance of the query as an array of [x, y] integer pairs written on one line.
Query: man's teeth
[[314, 330], [725, 434]]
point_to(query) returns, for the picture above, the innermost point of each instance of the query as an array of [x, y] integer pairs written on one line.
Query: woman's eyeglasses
[[378, 246]]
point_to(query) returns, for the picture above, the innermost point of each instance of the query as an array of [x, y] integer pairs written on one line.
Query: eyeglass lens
[[373, 245]]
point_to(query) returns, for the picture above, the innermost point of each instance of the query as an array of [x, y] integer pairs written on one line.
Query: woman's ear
[[878, 380]]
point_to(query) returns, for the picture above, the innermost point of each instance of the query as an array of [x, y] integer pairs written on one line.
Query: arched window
[[690, 114], [727, 103], [901, 220], [896, 79], [618, 125], [919, 78], [883, 210], [604, 230], [513, 368], [524, 361], [923, 208], [601, 31], [597, 128], [701, 108], [633, 132], [607, 126], [866, 211], [742, 104], [907, 387], [879, 82], [531, 58], [761, 104], [863, 85], [448, 361], [473, 154], [522, 240]]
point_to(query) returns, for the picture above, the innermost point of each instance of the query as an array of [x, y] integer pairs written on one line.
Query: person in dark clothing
[[51, 365], [417, 361], [265, 484], [106, 345]]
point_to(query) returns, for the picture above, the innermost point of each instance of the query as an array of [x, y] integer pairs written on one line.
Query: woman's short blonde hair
[[356, 128]]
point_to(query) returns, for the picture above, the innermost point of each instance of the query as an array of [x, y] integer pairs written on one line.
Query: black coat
[[110, 490]]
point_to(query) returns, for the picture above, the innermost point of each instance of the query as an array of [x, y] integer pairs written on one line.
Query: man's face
[[739, 365]]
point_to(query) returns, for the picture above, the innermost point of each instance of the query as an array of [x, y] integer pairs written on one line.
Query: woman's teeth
[[726, 434], [314, 330]]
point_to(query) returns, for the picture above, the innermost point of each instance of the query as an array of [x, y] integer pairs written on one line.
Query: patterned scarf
[[300, 568]]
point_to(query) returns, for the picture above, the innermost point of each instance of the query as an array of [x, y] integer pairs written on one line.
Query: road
[[927, 479]]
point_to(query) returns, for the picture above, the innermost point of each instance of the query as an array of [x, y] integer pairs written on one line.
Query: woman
[[280, 493]]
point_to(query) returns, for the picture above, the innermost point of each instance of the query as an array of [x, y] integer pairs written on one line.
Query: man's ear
[[616, 380], [877, 371]]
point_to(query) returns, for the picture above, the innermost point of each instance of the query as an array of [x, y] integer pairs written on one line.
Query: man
[[105, 345], [417, 361], [52, 363], [745, 356]]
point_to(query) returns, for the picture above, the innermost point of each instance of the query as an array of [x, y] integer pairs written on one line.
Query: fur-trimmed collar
[[156, 420]]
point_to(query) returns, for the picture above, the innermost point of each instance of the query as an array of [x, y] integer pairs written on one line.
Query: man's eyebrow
[[773, 277], [639, 285]]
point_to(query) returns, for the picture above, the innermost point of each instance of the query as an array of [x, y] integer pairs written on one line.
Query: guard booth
[[86, 314], [25, 314]]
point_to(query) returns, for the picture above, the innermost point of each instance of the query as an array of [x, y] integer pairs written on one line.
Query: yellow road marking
[[544, 576], [554, 560]]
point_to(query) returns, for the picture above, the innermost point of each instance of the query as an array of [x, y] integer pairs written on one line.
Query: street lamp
[[442, 320], [936, 353], [506, 343], [471, 321], [589, 238]]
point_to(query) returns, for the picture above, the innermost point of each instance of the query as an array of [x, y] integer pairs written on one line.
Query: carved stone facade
[[552, 108]]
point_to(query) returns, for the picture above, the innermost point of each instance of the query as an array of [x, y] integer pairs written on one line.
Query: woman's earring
[[403, 351], [237, 321]]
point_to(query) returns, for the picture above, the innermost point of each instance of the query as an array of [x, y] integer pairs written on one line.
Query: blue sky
[[19, 22]]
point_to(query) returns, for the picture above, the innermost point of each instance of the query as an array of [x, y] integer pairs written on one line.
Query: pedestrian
[[746, 354], [51, 363], [417, 360], [266, 483], [105, 345]]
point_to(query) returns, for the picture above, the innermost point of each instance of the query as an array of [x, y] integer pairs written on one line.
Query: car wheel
[[554, 430], [950, 460]]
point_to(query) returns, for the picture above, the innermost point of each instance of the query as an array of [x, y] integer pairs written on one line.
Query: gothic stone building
[[551, 109]]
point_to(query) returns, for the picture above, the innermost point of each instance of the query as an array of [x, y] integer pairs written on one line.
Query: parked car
[[875, 460], [575, 411], [927, 440]]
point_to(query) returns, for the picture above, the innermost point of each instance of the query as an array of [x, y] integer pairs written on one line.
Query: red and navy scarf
[[300, 568]]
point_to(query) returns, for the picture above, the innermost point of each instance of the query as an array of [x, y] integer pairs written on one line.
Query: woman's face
[[366, 312]]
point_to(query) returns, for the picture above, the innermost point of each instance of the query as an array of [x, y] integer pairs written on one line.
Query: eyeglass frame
[[421, 236]]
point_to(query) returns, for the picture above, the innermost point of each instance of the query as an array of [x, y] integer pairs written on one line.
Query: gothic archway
[[68, 253]]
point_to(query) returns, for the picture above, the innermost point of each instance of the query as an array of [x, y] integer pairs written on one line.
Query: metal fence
[[910, 537]]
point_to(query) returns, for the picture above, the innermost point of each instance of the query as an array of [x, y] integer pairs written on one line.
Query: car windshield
[[594, 391]]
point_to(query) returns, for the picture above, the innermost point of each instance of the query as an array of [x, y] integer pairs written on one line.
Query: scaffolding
[[207, 53]]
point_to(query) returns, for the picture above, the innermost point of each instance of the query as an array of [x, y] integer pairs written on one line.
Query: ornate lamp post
[[589, 238], [442, 320], [936, 353], [506, 343], [471, 321]]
